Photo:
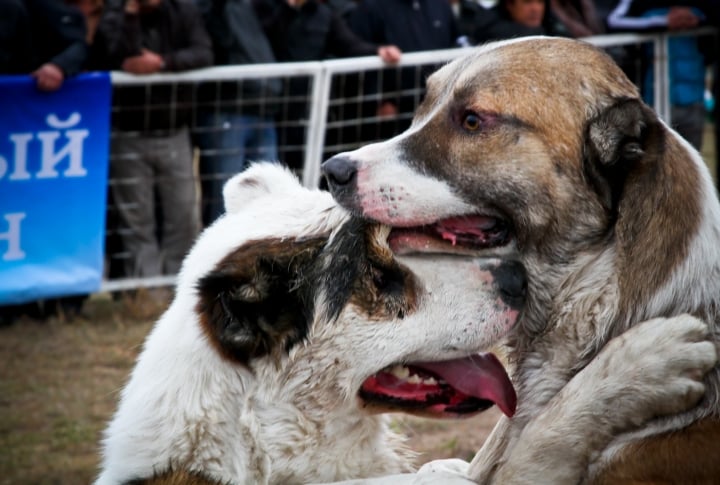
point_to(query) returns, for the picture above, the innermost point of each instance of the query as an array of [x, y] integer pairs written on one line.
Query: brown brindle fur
[[606, 204], [690, 456], [644, 214], [366, 292], [176, 477], [658, 188]]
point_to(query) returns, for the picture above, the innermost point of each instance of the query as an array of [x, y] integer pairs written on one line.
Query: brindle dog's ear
[[616, 141], [257, 299]]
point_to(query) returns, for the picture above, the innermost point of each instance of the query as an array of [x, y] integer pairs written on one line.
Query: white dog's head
[[293, 326], [303, 290]]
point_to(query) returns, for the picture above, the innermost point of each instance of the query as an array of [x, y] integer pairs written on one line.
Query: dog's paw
[[656, 368], [450, 466]]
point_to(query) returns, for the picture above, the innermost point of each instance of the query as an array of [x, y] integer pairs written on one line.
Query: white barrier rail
[[322, 74]]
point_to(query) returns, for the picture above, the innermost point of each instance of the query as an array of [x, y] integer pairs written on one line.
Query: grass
[[60, 382]]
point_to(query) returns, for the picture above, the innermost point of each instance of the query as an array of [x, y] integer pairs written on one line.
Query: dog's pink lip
[[461, 234], [458, 387]]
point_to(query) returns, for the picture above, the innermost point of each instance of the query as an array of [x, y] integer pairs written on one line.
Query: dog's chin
[[464, 235], [444, 389]]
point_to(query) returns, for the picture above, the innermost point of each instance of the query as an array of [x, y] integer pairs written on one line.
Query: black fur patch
[[361, 270], [344, 265], [259, 297], [615, 142]]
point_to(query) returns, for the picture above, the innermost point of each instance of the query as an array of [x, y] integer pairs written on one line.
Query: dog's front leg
[[492, 454], [654, 369]]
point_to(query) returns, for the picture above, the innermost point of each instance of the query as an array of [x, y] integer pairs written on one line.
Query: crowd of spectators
[[54, 39]]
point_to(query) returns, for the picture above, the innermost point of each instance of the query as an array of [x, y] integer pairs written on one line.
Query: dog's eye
[[471, 121]]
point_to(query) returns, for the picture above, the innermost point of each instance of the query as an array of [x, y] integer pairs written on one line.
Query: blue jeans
[[228, 143]]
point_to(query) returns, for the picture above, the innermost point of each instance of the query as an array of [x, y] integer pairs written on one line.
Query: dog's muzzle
[[340, 172], [511, 281]]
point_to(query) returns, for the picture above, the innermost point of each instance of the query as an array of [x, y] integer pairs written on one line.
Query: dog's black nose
[[339, 171], [511, 281]]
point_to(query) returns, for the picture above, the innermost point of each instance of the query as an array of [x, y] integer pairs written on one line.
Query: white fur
[[286, 418]]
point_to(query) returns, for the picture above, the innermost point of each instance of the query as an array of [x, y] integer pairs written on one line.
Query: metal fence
[[317, 108]]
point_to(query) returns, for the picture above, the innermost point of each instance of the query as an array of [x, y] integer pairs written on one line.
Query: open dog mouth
[[451, 388], [454, 235]]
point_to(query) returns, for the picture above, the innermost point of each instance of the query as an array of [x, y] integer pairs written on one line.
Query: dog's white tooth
[[400, 371], [414, 379], [430, 381]]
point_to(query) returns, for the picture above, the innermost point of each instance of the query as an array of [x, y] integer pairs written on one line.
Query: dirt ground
[[60, 379]]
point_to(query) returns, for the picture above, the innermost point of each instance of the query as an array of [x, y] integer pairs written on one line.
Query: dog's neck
[[575, 325], [306, 428], [302, 450], [678, 219]]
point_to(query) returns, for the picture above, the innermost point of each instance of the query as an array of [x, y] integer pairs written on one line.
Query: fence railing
[[332, 111]]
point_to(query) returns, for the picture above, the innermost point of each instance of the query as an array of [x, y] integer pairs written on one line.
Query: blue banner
[[53, 186]]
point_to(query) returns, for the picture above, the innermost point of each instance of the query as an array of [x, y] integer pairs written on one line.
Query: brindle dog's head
[[538, 149]]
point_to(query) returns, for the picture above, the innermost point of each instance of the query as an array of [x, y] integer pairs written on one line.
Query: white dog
[[294, 328]]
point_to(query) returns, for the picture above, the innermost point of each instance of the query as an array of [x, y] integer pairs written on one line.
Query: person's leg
[[222, 154], [262, 142], [178, 198], [132, 178]]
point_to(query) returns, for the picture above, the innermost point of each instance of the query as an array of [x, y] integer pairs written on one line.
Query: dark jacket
[[499, 25], [686, 61], [175, 31], [238, 38], [412, 25], [628, 15], [311, 33], [236, 32], [469, 16], [33, 32], [580, 17], [15, 38]]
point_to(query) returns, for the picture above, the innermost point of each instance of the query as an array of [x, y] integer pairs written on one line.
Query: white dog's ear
[[617, 140], [258, 180], [258, 299]]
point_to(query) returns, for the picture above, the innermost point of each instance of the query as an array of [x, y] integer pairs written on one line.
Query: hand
[[147, 62], [387, 110], [680, 18], [389, 53], [132, 7], [49, 77], [295, 3]]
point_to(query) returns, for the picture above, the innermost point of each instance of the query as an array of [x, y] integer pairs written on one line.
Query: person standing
[[151, 152], [236, 123], [310, 30], [686, 57], [413, 26], [580, 17], [45, 38], [520, 18]]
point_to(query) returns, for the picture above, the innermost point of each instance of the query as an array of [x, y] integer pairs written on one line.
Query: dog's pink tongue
[[476, 226], [481, 376]]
